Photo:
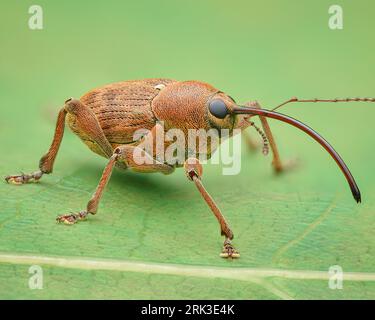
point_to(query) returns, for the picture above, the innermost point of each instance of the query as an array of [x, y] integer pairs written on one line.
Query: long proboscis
[[305, 128]]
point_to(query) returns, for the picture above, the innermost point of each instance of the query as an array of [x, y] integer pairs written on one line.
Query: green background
[[264, 50]]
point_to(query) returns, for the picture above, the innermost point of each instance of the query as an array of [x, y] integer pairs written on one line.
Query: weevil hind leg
[[85, 123], [193, 170], [47, 161], [278, 165]]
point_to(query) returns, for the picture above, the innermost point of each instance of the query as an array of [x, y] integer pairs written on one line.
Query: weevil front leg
[[193, 170], [277, 164]]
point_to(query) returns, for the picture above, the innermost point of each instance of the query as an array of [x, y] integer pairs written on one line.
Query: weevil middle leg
[[126, 157]]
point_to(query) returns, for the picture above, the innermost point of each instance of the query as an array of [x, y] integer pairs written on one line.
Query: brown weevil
[[106, 118]]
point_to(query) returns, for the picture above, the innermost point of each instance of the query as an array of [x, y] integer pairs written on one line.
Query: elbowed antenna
[[298, 124]]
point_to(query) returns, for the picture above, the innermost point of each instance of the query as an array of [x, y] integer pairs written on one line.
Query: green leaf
[[304, 220]]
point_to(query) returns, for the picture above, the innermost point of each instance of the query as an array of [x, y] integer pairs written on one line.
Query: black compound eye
[[218, 108]]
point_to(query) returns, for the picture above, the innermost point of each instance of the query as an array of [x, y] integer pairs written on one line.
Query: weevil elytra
[[106, 119]]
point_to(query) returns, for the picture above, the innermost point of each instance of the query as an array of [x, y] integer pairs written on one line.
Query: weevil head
[[219, 112]]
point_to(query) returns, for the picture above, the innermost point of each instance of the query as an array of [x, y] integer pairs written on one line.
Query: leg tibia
[[92, 206], [123, 154], [193, 170], [47, 161]]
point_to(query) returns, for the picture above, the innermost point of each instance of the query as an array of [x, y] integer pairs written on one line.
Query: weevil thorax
[[185, 105]]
